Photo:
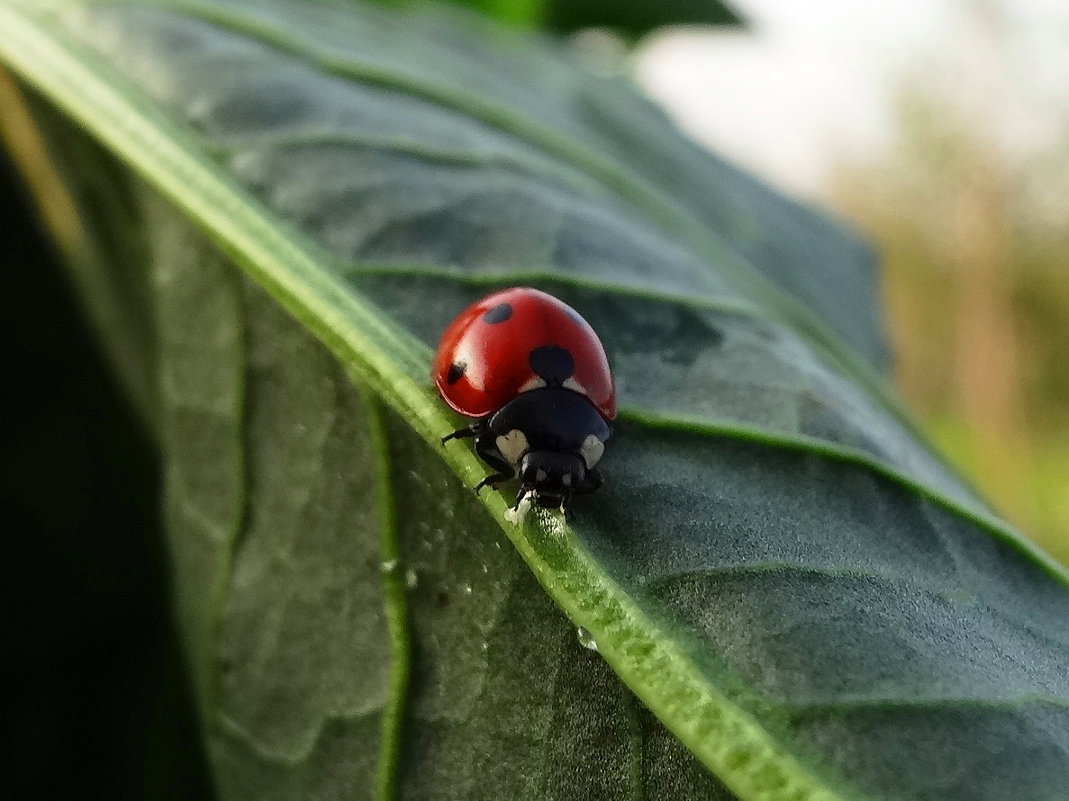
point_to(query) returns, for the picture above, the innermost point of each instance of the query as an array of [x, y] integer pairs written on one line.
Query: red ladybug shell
[[514, 341]]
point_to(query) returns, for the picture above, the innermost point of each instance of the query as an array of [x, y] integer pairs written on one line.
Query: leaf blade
[[588, 577]]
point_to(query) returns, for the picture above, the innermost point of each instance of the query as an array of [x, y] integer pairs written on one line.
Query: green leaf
[[799, 591]]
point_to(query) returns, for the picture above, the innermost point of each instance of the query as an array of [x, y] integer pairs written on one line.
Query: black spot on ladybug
[[551, 363], [456, 370], [498, 314]]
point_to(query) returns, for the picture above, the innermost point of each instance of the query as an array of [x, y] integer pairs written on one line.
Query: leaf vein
[[886, 704], [395, 600]]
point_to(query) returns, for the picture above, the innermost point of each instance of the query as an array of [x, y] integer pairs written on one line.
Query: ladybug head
[[551, 476]]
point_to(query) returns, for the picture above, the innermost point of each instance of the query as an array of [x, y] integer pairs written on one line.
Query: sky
[[813, 84]]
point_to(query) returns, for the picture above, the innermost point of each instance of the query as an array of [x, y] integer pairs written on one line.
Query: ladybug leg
[[462, 433], [488, 452], [493, 482], [566, 508], [590, 483]]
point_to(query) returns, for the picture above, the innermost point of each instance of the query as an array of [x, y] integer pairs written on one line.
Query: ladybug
[[534, 376]]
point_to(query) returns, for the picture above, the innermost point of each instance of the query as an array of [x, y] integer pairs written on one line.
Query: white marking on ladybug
[[566, 479], [541, 475], [512, 445], [574, 386], [534, 383], [465, 357], [591, 450]]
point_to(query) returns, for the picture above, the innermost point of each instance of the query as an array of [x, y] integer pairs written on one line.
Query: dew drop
[[586, 639], [390, 566], [411, 579], [467, 589]]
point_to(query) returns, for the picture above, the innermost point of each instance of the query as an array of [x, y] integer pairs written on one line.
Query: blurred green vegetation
[[631, 18], [974, 241]]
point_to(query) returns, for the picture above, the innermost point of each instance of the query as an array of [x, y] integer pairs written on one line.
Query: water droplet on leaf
[[586, 639]]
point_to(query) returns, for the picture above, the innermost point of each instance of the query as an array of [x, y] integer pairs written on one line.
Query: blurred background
[[940, 128]]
